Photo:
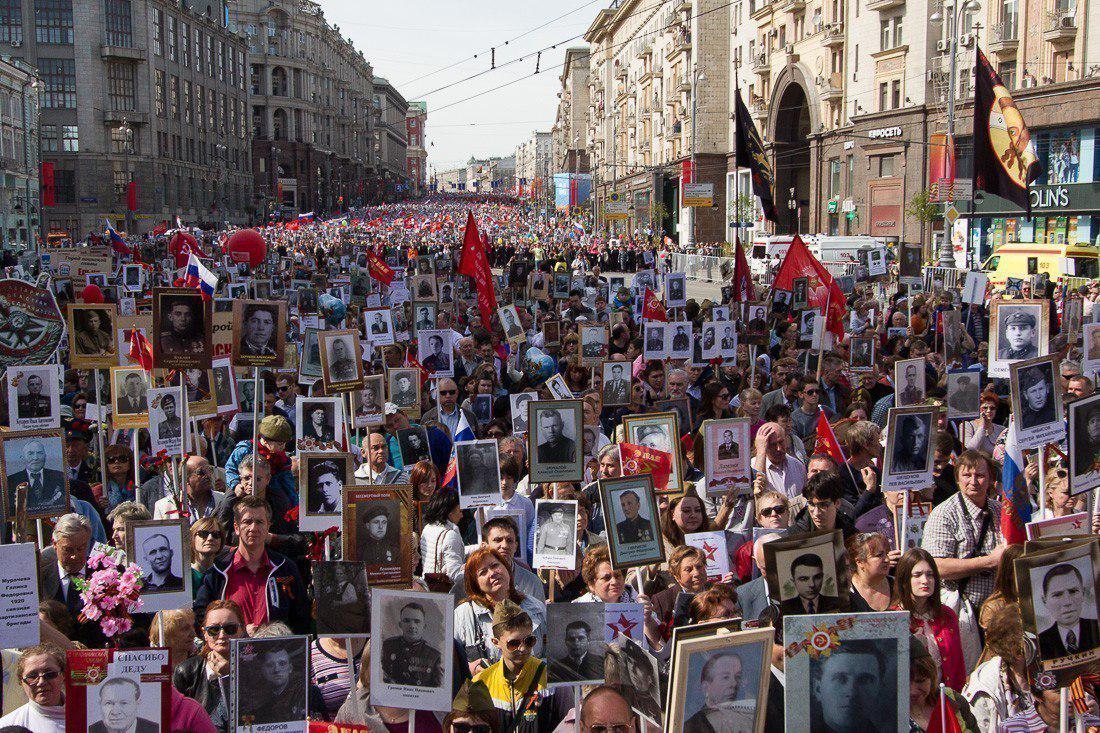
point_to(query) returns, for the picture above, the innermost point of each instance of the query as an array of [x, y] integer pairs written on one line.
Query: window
[[160, 102], [172, 39], [890, 32], [174, 98], [122, 140], [58, 82], [121, 179], [53, 21], [834, 177], [120, 86], [883, 98], [1009, 19], [1007, 72], [64, 185], [885, 165], [70, 139], [200, 104], [49, 139], [210, 56], [199, 35], [185, 44], [158, 32], [11, 21], [851, 176], [119, 32], [895, 93], [188, 112]]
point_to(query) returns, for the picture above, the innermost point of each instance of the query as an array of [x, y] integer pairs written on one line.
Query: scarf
[[278, 460]]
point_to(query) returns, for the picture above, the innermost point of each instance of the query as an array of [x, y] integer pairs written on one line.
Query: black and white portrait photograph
[[1084, 444], [375, 531], [554, 440], [555, 535], [517, 403], [225, 389], [635, 671], [678, 335], [726, 455], [411, 649], [321, 481], [182, 336], [862, 353], [478, 473], [720, 682], [847, 673], [1091, 335], [423, 316], [92, 335], [34, 399], [368, 404], [436, 352], [561, 285], [807, 573], [575, 647], [341, 360], [129, 397], [319, 423], [909, 376], [1018, 330], [615, 384], [259, 333], [963, 392], [423, 287], [800, 290], [557, 387], [162, 549], [1036, 402], [659, 431], [551, 333], [34, 458], [403, 388], [756, 323], [124, 703], [270, 681], [378, 326], [908, 457], [654, 343], [911, 260], [341, 596], [166, 420], [510, 323], [633, 521], [250, 396], [719, 340], [131, 277], [309, 367], [594, 343], [675, 290], [413, 443]]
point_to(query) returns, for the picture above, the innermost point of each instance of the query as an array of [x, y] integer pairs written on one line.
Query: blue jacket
[[285, 594], [280, 481]]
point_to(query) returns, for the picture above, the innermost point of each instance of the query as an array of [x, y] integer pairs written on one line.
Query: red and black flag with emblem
[[750, 154]]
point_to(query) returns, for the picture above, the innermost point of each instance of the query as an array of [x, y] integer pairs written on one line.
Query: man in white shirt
[[377, 470], [783, 473], [202, 500]]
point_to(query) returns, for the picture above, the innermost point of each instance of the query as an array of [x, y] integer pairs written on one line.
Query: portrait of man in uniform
[[403, 391], [911, 390], [1037, 396], [170, 426], [407, 658], [911, 444], [728, 450], [260, 323], [616, 387], [377, 535], [584, 655], [553, 445], [28, 461], [1019, 336], [556, 533], [343, 598], [33, 404], [633, 527], [182, 330], [272, 687]]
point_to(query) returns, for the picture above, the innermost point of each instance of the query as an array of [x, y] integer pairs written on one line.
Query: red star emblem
[[709, 551], [622, 627]]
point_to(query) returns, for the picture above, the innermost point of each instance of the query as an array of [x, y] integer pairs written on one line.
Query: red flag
[[141, 351], [378, 268], [652, 308], [638, 459], [49, 190], [743, 289], [131, 196], [822, 291], [826, 440], [474, 263], [160, 228]]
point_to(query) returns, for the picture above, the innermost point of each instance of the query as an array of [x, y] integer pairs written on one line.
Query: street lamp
[[127, 134], [792, 206], [953, 13], [31, 114], [696, 77]]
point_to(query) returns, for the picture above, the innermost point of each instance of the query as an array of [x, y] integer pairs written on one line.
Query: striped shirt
[[330, 675]]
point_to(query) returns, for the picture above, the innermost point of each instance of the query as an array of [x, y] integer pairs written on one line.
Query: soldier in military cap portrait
[[377, 536], [556, 533], [1019, 336], [170, 426], [180, 327], [407, 659], [1037, 396]]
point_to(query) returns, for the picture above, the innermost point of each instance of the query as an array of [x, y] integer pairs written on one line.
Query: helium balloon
[[246, 245], [181, 245], [91, 294], [333, 309], [537, 365]]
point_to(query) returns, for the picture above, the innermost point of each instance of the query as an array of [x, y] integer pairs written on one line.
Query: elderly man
[[45, 486], [448, 410], [779, 471], [377, 469], [202, 499], [605, 709], [65, 560]]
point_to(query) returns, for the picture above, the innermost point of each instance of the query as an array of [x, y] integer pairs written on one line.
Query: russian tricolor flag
[[306, 217], [118, 244], [1016, 504], [462, 434], [199, 277]]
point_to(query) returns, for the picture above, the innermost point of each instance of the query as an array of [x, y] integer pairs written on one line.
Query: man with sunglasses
[[287, 389], [448, 411], [804, 419]]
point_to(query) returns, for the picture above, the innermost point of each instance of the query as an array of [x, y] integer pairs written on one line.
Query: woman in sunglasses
[[120, 478], [772, 512], [207, 541], [41, 673], [206, 677], [1060, 503]]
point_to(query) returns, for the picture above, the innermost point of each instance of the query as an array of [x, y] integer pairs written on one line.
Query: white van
[[841, 249]]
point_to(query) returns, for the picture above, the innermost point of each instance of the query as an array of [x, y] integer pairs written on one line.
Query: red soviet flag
[[823, 293], [474, 263], [826, 440], [652, 308], [378, 268], [743, 289], [639, 459]]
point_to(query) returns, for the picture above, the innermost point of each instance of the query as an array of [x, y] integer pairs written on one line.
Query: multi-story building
[[143, 111], [19, 200], [390, 141], [533, 175], [570, 131], [310, 113], [416, 161], [451, 181]]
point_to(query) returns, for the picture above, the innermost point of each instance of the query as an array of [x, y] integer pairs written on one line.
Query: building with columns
[[416, 158], [570, 131]]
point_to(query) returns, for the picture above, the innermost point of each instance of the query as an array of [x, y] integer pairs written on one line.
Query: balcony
[[121, 53], [1061, 30], [834, 34], [1004, 39], [683, 83], [759, 63], [682, 43], [794, 6], [683, 6], [832, 87], [884, 4], [758, 107]]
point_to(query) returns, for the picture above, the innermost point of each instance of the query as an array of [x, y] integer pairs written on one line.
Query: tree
[[658, 212], [922, 208]]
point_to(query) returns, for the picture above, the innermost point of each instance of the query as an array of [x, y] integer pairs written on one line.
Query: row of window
[[192, 103], [178, 191], [179, 41], [196, 151]]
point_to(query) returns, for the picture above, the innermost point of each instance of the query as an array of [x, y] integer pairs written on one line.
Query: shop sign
[[1076, 198], [833, 206], [698, 194], [884, 132], [616, 207]]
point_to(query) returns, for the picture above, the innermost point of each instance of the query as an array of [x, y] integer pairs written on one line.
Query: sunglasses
[[284, 388], [49, 674], [470, 728], [448, 391], [206, 534], [117, 459], [215, 629], [773, 511], [527, 643]]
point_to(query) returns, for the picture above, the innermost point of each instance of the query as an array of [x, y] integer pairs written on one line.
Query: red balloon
[[246, 245], [91, 294], [181, 245]]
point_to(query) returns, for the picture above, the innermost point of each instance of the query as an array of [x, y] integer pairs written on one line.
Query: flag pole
[[824, 328]]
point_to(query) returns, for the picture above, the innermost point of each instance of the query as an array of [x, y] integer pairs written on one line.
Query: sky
[[411, 42]]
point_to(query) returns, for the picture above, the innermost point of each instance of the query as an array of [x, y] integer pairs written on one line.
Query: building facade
[[19, 200], [533, 175], [416, 161], [390, 140], [569, 135]]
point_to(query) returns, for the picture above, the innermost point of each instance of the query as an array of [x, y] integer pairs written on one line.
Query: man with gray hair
[[63, 562]]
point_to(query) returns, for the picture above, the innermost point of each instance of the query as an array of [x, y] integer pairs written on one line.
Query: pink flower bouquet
[[111, 590]]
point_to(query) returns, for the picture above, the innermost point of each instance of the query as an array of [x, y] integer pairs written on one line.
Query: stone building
[[416, 165], [533, 175], [390, 140], [19, 200], [569, 134]]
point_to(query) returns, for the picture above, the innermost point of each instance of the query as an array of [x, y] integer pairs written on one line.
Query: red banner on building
[[46, 183], [131, 196]]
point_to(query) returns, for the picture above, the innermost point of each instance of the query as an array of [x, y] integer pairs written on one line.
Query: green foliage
[[921, 207]]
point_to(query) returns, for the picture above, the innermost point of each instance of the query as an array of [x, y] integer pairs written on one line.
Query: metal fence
[[703, 267], [949, 277]]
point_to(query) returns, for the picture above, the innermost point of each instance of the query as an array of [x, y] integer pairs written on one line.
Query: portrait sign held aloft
[[376, 531], [1018, 329], [162, 549], [113, 690], [259, 333], [554, 440], [575, 645], [436, 352], [165, 420], [341, 360], [847, 672], [1084, 444], [511, 324], [719, 340], [92, 335], [720, 682], [807, 573], [318, 424], [29, 458], [963, 396], [909, 377], [658, 431], [908, 458], [403, 388], [615, 383], [517, 403], [129, 397], [270, 683], [726, 455], [378, 323], [594, 343], [1037, 402], [411, 653], [368, 404], [635, 672], [555, 535], [182, 329], [633, 521], [1058, 605], [341, 595], [478, 473], [321, 481], [34, 399]]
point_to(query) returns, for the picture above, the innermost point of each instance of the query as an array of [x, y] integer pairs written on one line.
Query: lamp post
[[696, 77], [792, 206], [127, 149], [953, 12]]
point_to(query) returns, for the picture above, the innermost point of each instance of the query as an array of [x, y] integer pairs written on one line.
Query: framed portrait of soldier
[[963, 394], [575, 647], [726, 455], [615, 384], [551, 333], [679, 337], [341, 598], [554, 440], [557, 387], [806, 573], [478, 473], [129, 397], [368, 404], [1058, 604], [908, 458], [182, 329], [847, 672], [423, 287], [800, 293], [309, 365], [435, 351], [635, 673], [162, 549], [376, 530], [423, 316], [34, 458], [411, 655], [321, 481], [1036, 402], [341, 360], [1090, 361], [318, 423], [675, 290], [909, 375], [909, 265], [92, 335], [224, 385], [655, 341], [166, 420], [721, 682], [378, 325], [403, 389], [270, 683], [555, 535], [1018, 330], [1084, 444], [561, 286], [719, 340], [259, 333], [413, 444], [756, 323], [511, 325], [658, 431], [34, 399], [861, 353], [593, 343], [633, 521], [517, 404]]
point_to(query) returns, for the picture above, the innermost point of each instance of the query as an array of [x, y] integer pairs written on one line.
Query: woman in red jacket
[[917, 590]]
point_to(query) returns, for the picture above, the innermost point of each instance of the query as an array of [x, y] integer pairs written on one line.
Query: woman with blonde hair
[[179, 633]]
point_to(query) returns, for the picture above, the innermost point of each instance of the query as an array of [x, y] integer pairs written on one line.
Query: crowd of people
[[254, 571]]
